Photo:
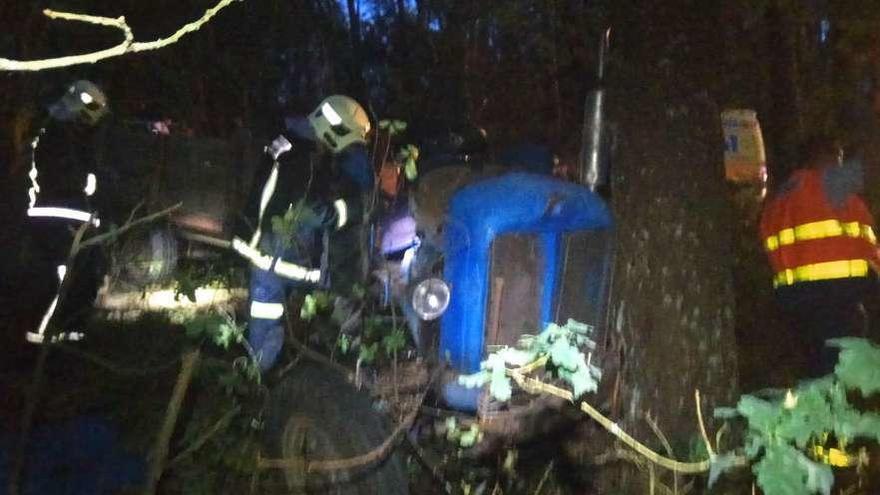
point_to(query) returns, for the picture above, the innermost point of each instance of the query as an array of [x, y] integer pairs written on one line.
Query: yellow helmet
[[340, 121]]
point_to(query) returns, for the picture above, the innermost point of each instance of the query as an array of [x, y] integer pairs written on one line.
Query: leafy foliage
[[191, 276], [859, 364], [315, 303], [393, 126], [286, 226], [408, 156], [782, 427], [561, 344], [464, 438], [220, 329]]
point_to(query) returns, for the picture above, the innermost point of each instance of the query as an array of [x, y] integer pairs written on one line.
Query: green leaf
[[344, 343], [384, 124], [582, 382], [564, 355], [761, 415], [780, 472], [853, 424], [398, 126], [470, 437], [394, 342], [358, 291], [726, 413], [820, 478], [859, 364], [475, 380], [499, 384], [368, 352], [719, 465], [810, 417], [309, 308], [410, 170]]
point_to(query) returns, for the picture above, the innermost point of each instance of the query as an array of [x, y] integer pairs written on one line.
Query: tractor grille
[[583, 280], [516, 284], [515, 288]]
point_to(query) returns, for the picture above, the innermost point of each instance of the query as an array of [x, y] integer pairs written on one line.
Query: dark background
[[520, 70]]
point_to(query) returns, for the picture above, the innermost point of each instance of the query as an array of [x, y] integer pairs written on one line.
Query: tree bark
[[671, 318], [357, 64]]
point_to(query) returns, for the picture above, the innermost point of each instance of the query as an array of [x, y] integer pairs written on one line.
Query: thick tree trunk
[[671, 318]]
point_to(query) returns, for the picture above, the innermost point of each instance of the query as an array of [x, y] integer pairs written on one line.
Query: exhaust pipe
[[593, 163]]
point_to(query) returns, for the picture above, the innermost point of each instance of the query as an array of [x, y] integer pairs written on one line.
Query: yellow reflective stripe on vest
[[819, 230], [822, 271], [868, 234]]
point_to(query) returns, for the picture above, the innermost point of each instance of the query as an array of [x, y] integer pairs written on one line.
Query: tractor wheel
[[315, 414]]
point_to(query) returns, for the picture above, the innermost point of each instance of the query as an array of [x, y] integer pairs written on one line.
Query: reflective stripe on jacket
[[806, 239]]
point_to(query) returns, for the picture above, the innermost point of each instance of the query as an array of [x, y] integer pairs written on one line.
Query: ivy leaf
[[851, 424], [719, 465], [475, 380], [810, 416], [384, 124], [761, 415], [309, 308], [398, 126], [344, 343], [368, 352], [470, 437], [779, 472], [394, 342], [820, 478], [564, 355], [582, 382], [410, 170], [726, 413], [499, 384], [754, 444], [859, 364]]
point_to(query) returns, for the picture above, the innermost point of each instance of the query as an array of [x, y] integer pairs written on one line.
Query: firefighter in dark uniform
[[62, 192], [319, 172]]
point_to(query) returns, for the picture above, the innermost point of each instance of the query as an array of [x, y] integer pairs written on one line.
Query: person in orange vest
[[819, 237]]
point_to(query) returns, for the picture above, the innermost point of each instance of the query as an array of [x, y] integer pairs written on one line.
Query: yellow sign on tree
[[744, 156]]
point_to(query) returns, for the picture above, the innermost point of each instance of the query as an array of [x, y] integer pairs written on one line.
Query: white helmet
[[340, 121]]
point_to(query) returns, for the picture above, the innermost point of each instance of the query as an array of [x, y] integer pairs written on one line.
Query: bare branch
[[128, 45], [101, 238]]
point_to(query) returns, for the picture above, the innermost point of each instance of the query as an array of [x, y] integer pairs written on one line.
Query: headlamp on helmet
[[82, 102], [339, 122]]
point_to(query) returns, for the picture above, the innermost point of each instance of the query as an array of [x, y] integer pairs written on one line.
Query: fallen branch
[[112, 235], [188, 366], [204, 437], [127, 45], [534, 386]]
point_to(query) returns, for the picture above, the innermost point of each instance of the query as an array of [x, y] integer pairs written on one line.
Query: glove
[[278, 147]]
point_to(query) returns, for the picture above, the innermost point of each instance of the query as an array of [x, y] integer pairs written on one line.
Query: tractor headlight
[[430, 298]]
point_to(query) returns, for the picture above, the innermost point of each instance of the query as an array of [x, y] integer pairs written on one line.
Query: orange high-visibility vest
[[807, 239]]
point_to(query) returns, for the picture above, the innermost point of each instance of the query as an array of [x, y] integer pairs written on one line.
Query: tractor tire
[[316, 414]]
